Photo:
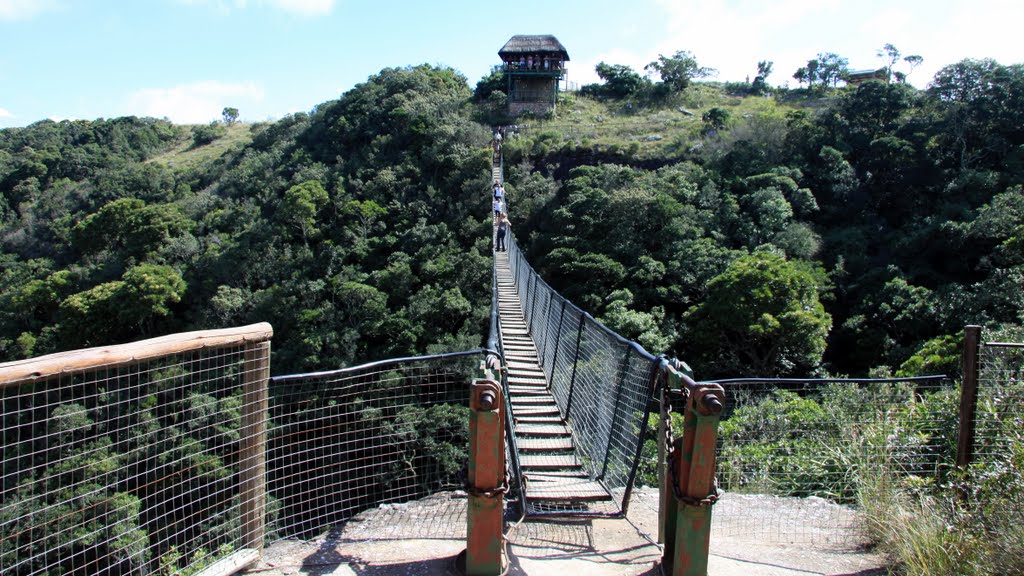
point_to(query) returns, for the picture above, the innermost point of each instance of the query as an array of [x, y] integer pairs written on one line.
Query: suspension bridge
[[183, 451]]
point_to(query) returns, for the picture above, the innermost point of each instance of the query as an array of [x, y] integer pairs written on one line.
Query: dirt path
[[423, 538]]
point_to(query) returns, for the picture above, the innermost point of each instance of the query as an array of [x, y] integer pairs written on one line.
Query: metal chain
[[484, 493], [670, 455]]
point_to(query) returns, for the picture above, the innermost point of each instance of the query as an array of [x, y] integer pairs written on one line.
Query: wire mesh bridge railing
[[603, 384]]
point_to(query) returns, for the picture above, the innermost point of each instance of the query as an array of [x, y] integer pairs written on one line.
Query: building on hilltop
[[854, 77], [533, 66]]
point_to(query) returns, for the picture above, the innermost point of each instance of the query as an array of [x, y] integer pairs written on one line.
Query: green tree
[[890, 55], [832, 68], [715, 119], [115, 311], [130, 227], [679, 70], [301, 207], [230, 115], [760, 84], [763, 316], [620, 80]]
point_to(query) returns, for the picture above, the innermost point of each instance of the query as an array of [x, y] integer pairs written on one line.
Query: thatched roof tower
[[532, 44], [533, 65]]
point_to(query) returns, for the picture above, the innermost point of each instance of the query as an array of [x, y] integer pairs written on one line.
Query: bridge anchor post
[[690, 488], [486, 483]]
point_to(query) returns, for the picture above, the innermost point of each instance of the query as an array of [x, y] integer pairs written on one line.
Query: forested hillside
[[821, 231], [359, 230], [749, 231]]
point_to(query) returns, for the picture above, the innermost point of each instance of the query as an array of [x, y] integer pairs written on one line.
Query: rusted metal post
[[968, 397], [691, 479], [486, 479], [252, 457]]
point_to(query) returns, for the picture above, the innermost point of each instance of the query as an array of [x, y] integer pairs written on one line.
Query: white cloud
[[196, 103], [583, 73], [299, 7], [733, 35], [24, 9], [5, 114]]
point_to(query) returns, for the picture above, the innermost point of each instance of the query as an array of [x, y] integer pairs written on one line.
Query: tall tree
[[679, 70], [762, 316], [619, 80]]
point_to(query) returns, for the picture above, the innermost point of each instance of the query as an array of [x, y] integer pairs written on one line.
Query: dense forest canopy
[[356, 230], [750, 230]]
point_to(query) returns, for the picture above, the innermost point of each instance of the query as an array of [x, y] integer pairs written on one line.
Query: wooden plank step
[[538, 419], [533, 401], [542, 430], [527, 380], [525, 366], [544, 444], [528, 391], [555, 475], [566, 490], [548, 461], [531, 388], [535, 410], [519, 376]]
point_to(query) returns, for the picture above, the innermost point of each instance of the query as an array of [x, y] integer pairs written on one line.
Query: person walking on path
[[496, 205], [503, 228]]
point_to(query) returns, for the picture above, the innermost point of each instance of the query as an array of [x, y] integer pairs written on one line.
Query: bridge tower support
[[486, 482], [688, 485]]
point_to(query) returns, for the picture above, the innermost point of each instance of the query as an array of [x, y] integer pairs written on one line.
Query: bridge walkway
[[552, 471]]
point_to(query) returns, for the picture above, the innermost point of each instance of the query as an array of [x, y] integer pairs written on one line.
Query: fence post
[[968, 397], [623, 371], [691, 467], [252, 458], [575, 362], [486, 480], [558, 340]]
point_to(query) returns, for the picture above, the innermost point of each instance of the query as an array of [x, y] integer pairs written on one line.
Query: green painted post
[[691, 483]]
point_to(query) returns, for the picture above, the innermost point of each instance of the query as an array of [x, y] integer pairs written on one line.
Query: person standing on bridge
[[503, 228], [496, 206]]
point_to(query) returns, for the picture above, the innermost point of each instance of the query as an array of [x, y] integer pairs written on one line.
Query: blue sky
[[187, 59]]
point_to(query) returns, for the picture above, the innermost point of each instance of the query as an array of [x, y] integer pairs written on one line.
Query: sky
[[186, 60]]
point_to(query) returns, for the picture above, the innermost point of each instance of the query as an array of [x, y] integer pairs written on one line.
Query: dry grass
[[185, 156]]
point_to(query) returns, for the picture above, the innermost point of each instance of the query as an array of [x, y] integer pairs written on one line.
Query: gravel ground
[[752, 536]]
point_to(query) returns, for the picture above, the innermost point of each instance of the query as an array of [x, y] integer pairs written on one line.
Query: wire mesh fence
[[798, 454], [603, 384], [133, 459], [386, 433], [1000, 406]]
